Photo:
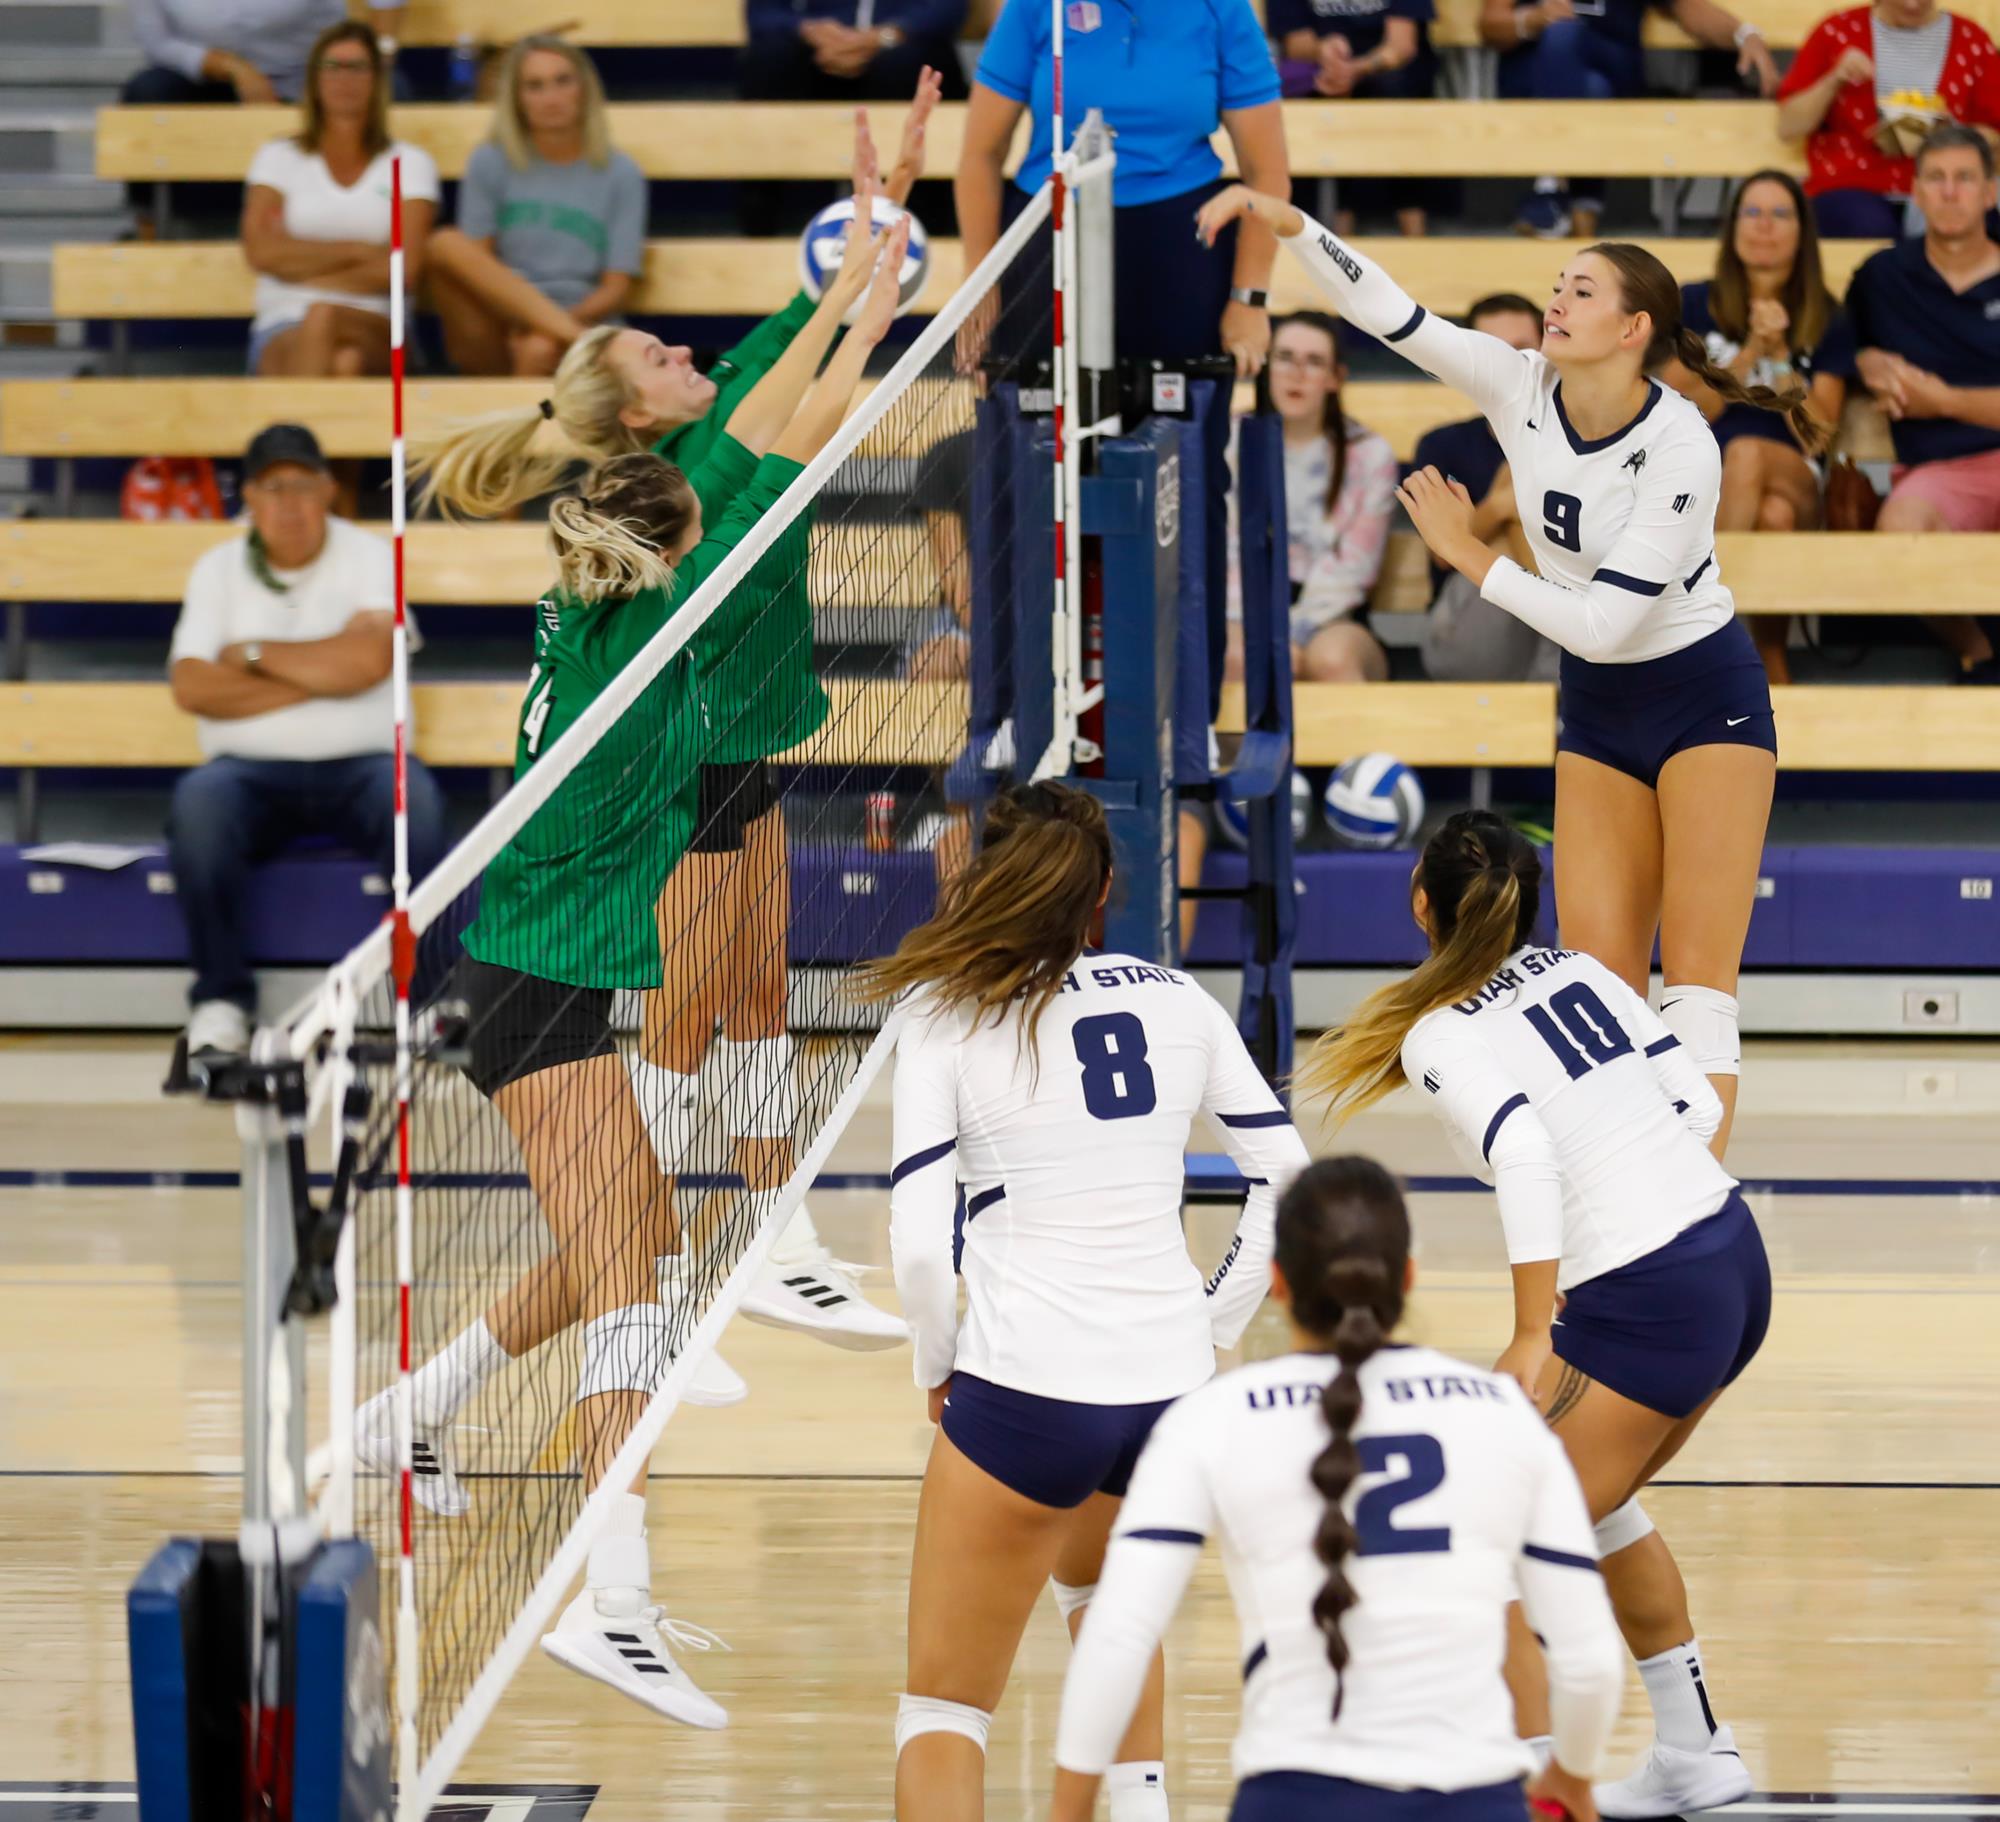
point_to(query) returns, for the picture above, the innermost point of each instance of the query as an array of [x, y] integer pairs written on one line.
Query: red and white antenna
[[1065, 602], [402, 965]]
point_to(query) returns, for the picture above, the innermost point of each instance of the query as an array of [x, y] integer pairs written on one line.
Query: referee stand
[[257, 1660]]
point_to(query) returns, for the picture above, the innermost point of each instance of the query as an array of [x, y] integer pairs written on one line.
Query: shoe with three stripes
[[804, 1287], [1675, 1782], [631, 1653], [434, 1482]]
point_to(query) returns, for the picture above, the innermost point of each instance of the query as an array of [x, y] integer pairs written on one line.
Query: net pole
[[402, 955], [1062, 607]]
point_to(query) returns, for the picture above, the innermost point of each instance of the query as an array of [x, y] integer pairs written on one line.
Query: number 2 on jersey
[[1117, 1083], [1589, 1034], [1562, 519], [1422, 1458]]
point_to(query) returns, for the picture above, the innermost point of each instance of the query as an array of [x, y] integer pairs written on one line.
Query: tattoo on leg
[[1570, 1388]]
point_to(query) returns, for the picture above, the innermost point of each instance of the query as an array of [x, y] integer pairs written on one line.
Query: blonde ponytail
[[611, 539], [1482, 880], [489, 465]]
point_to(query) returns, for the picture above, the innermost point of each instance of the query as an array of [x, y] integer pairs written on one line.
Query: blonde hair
[[1483, 881], [610, 538], [375, 134], [510, 131], [485, 466]]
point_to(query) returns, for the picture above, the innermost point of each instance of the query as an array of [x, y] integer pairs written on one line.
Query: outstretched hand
[[910, 155], [857, 256], [1238, 201], [1441, 511], [878, 309]]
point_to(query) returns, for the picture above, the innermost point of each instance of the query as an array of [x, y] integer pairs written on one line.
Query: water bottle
[[462, 78]]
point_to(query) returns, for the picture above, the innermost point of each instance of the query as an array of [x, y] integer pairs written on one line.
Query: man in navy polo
[[1927, 315]]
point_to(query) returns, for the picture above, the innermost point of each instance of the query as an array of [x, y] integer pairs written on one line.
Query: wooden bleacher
[[112, 562], [114, 417], [720, 22], [1821, 728], [718, 140], [209, 279]]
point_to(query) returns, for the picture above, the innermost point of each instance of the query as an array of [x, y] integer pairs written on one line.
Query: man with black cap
[[282, 653]]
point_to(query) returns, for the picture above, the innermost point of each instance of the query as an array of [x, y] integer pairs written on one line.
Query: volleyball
[[825, 240], [1374, 802], [1232, 815]]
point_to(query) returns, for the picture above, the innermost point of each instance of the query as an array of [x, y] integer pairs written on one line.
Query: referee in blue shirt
[[1167, 74]]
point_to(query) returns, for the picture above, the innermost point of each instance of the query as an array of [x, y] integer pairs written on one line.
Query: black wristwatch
[[1242, 294]]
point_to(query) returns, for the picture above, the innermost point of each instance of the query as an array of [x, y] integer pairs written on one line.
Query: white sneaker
[[434, 1482], [1674, 1782], [218, 1025], [804, 1287], [631, 1655], [715, 1383]]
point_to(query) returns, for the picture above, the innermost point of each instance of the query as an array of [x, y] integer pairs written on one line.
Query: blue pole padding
[[340, 1765], [162, 1627]]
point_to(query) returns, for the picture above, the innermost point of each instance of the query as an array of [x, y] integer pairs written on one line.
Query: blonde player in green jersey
[[621, 389], [566, 918]]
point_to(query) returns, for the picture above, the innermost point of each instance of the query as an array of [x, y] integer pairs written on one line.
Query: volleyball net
[[508, 1167]]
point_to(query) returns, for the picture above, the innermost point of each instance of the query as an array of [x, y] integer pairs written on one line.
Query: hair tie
[[548, 408]]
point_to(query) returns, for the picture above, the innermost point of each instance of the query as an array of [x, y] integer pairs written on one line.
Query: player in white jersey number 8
[[1641, 1288], [1379, 1506], [1046, 1090], [1667, 755]]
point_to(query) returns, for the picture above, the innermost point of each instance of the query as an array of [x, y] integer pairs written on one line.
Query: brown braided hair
[[1343, 1250]]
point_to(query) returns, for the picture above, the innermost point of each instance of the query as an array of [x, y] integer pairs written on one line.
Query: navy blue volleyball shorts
[[1047, 1449], [1635, 717], [1673, 1328], [1306, 1796]]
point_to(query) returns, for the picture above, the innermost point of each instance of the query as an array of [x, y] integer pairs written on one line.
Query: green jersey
[[764, 695], [571, 897]]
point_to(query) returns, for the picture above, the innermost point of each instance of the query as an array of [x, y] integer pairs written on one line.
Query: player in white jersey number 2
[[1641, 1288], [1667, 755], [1379, 1507], [1043, 1099]]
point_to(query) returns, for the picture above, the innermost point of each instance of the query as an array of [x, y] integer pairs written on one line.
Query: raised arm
[[827, 400], [1260, 1136], [1483, 367]]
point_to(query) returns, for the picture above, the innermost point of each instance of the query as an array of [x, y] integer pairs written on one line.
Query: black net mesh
[[778, 804]]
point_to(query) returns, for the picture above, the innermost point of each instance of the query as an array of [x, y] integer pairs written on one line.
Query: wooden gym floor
[[1838, 1519]]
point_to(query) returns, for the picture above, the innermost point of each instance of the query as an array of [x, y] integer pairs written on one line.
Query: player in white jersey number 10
[[1044, 1095], [1667, 754], [1641, 1288], [1379, 1507]]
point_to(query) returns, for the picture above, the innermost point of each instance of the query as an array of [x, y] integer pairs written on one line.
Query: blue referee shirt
[[1899, 301], [1163, 71]]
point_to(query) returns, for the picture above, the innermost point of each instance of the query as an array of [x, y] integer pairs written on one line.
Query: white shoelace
[[684, 1633]]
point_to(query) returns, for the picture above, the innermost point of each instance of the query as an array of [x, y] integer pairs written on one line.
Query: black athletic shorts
[[733, 795], [520, 1023]]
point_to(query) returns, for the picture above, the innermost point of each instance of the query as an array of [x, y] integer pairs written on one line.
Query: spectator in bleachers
[[1555, 50], [849, 50], [1340, 496], [1167, 76], [1466, 638], [282, 653], [316, 219], [1767, 318], [1374, 50], [551, 231], [1927, 316], [252, 51], [1867, 84]]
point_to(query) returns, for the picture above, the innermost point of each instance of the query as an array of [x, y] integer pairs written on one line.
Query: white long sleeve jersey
[[1565, 1088], [1070, 1161], [1622, 527], [1465, 1502]]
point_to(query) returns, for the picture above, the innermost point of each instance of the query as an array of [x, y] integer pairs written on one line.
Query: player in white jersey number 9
[[1641, 1288], [1667, 755], [1044, 1095], [1379, 1507]]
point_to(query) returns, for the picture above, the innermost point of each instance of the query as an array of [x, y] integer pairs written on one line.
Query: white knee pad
[[1621, 1529], [758, 1089], [1070, 1600], [1704, 1019], [625, 1351], [917, 1714], [669, 1106]]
